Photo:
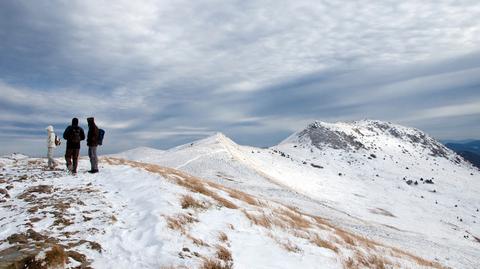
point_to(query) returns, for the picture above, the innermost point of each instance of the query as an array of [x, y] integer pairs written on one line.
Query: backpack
[[101, 133], [75, 137], [57, 141]]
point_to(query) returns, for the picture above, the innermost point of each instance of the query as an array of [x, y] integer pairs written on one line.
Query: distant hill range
[[469, 150]]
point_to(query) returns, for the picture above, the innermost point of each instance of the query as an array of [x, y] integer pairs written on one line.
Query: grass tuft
[[56, 257], [323, 243], [222, 237], [345, 237], [215, 264], [224, 254], [179, 221], [188, 201], [258, 219], [293, 219]]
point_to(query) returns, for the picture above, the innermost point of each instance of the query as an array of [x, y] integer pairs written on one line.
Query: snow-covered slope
[[388, 174], [383, 172], [310, 201], [383, 180], [139, 215], [140, 153]]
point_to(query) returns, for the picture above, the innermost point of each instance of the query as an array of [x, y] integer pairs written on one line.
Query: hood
[[91, 121], [50, 128], [74, 122]]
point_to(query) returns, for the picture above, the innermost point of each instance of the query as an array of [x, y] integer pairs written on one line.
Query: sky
[[163, 73]]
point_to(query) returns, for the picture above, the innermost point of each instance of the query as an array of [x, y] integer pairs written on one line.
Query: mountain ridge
[[393, 189], [375, 183]]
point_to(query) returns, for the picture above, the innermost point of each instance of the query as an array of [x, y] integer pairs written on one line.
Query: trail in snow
[[198, 157]]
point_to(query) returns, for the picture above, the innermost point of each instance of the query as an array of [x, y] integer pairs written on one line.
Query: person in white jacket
[[51, 145]]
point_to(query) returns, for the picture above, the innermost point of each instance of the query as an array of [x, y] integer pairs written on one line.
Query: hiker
[[52, 142], [73, 134], [93, 138]]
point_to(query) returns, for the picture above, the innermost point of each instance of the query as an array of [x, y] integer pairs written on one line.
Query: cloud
[[464, 109], [247, 68]]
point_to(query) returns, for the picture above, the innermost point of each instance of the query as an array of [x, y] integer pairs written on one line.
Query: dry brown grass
[[239, 195], [381, 261], [301, 234], [222, 237], [179, 221], [323, 243], [418, 260], [281, 218], [187, 201], [293, 219], [349, 264], [377, 262], [223, 253], [372, 261], [56, 257], [79, 257], [319, 222], [215, 264], [370, 244], [290, 247], [197, 241], [196, 185], [285, 243], [192, 183], [258, 219], [346, 237]]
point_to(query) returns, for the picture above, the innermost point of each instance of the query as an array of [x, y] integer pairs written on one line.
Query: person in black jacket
[[73, 134], [92, 143]]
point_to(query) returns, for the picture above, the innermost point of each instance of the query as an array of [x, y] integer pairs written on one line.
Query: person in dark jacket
[[73, 134], [92, 143]]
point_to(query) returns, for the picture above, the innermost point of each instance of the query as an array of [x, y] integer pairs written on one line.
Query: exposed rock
[[322, 136], [15, 257], [29, 194], [316, 166], [17, 239], [4, 192]]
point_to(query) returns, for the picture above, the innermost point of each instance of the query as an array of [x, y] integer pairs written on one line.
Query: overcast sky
[[162, 73]]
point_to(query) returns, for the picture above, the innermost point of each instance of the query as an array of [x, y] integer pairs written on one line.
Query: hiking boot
[[93, 171]]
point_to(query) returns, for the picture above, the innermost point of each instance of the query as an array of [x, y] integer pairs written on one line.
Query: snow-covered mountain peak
[[367, 135], [217, 139]]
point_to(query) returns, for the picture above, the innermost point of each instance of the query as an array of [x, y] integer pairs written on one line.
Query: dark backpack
[[76, 136], [101, 133]]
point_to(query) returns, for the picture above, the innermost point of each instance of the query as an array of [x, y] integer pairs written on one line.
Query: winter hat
[[49, 128]]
